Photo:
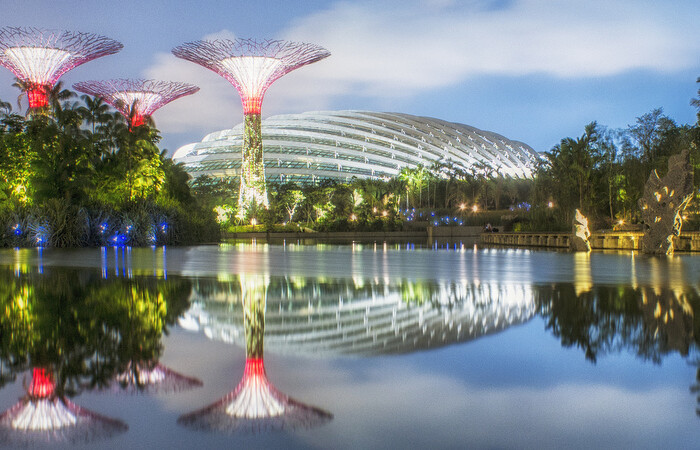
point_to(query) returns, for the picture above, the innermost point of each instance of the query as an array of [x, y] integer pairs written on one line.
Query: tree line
[[75, 174]]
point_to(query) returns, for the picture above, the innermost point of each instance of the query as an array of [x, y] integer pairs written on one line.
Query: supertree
[[38, 57], [251, 67], [136, 99], [45, 415], [255, 405]]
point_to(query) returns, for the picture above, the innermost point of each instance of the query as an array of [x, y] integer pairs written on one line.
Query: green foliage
[[83, 328], [74, 174]]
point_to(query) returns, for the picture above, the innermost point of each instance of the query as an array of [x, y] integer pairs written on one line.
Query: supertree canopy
[[39, 57], [136, 99], [251, 67]]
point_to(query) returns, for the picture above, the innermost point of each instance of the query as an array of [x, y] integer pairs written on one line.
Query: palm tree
[[95, 111], [55, 94]]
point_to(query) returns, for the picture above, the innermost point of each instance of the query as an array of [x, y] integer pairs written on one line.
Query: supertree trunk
[[251, 67], [253, 191]]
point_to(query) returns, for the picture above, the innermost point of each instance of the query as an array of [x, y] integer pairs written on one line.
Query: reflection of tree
[[420, 292], [650, 321], [139, 311], [255, 405], [82, 327]]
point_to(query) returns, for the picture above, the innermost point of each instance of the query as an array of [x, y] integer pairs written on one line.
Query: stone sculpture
[[663, 203], [579, 240]]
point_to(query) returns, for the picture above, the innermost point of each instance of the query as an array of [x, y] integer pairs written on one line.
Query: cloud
[[391, 51], [396, 51], [216, 106], [461, 414]]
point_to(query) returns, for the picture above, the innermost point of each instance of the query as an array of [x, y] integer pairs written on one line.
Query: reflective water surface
[[373, 345]]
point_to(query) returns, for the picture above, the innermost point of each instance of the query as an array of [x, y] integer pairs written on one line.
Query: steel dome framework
[[340, 145]]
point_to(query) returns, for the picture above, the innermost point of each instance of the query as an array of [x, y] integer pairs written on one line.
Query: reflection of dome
[[344, 144], [343, 317]]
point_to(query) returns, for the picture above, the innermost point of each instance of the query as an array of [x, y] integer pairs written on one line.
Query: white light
[[38, 64], [253, 74], [142, 101]]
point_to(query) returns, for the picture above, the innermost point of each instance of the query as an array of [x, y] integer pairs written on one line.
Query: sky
[[536, 71]]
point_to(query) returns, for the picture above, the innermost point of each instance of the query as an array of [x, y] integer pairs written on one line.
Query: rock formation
[[663, 203], [581, 233]]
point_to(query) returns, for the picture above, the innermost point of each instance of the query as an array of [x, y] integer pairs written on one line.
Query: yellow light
[[550, 205], [462, 206], [384, 213], [475, 208], [353, 217], [374, 209], [253, 221], [620, 222]]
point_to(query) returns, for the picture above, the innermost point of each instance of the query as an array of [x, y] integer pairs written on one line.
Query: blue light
[[17, 230], [119, 239]]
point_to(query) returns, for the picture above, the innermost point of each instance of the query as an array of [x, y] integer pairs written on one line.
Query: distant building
[[340, 145]]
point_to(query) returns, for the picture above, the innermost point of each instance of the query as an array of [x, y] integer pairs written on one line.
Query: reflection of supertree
[[142, 376], [695, 388], [39, 57], [251, 67], [255, 405], [136, 99], [145, 308], [45, 415]]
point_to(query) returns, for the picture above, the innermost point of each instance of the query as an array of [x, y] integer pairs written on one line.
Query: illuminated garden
[[332, 278]]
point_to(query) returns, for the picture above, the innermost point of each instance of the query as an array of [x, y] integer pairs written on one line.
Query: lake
[[355, 345]]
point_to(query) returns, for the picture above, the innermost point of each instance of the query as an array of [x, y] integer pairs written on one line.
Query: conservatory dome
[[340, 145]]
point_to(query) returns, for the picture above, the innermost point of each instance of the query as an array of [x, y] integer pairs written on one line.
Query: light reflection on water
[[469, 346]]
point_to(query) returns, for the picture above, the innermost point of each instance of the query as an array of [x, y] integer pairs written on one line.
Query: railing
[[608, 240]]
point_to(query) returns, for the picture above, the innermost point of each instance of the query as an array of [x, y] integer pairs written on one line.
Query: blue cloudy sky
[[532, 70]]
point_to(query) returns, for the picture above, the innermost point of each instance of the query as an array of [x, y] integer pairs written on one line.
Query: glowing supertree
[[255, 405], [39, 57], [251, 67], [136, 99], [44, 415]]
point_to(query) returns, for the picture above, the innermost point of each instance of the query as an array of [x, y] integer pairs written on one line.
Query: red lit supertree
[[136, 99], [39, 57], [255, 405], [251, 67], [45, 415]]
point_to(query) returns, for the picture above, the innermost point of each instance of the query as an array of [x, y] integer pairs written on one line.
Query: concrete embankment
[[608, 240], [428, 233]]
